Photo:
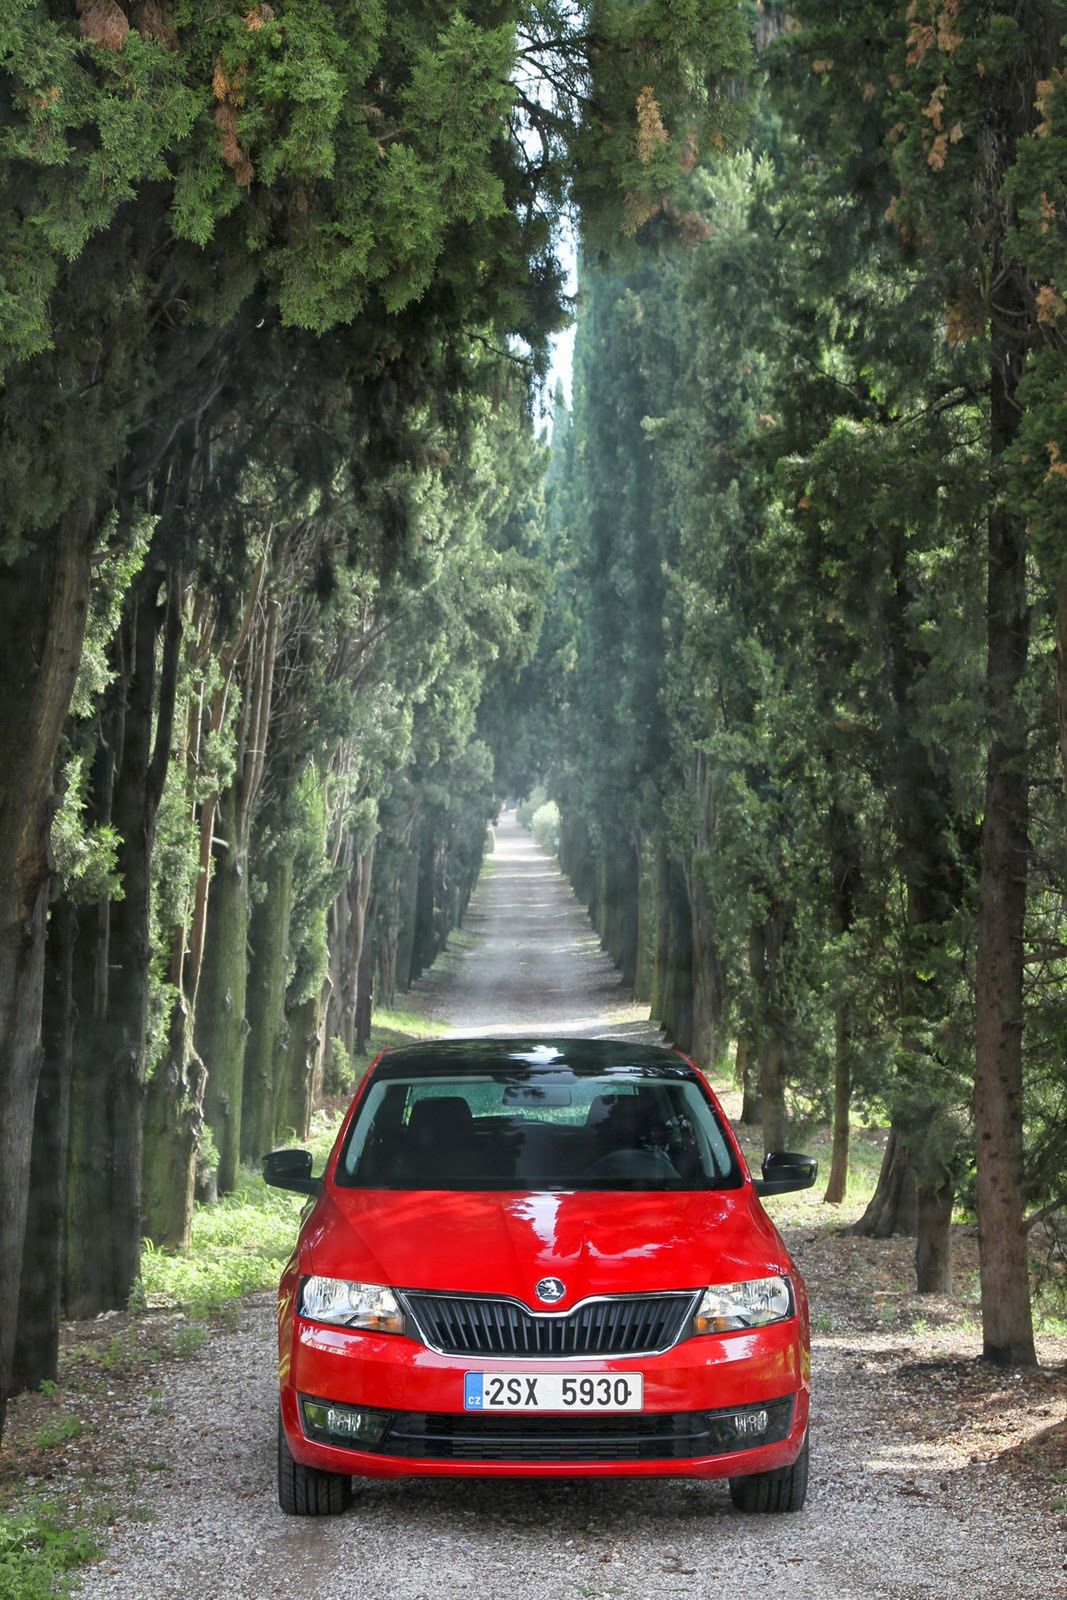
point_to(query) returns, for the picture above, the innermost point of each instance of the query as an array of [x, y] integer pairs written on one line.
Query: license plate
[[549, 1391]]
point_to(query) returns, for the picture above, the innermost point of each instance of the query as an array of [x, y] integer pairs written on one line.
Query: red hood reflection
[[487, 1243]]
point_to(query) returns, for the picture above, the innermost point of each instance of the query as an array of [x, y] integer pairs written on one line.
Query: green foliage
[[40, 1551], [189, 1339], [120, 558], [338, 1076], [85, 857], [207, 1156], [59, 1430], [536, 798], [238, 1246], [766, 516], [544, 826]]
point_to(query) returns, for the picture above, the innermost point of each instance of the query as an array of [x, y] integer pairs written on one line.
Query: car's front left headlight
[[727, 1307], [351, 1305]]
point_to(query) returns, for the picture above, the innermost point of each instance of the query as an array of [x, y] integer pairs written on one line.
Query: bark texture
[[766, 946], [43, 607], [37, 1344], [844, 873], [173, 1124], [107, 1090], [268, 958], [1007, 1324], [221, 1023], [893, 1207]]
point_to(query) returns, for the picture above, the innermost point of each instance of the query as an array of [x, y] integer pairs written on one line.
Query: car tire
[[305, 1491], [783, 1490]]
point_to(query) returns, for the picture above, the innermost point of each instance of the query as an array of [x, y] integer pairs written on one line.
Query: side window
[[711, 1133]]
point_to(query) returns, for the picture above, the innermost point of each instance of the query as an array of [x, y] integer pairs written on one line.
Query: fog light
[[352, 1425], [750, 1424]]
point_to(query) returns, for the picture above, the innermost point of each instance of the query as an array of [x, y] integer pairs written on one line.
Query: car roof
[[532, 1057]]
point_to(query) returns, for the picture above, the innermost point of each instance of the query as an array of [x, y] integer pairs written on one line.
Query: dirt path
[[539, 967], [902, 1505]]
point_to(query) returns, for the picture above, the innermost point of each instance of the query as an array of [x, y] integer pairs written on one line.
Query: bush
[[545, 827], [39, 1550], [524, 811], [207, 1158], [339, 1076]]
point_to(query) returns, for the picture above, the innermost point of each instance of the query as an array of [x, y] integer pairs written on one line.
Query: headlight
[[351, 1305], [729, 1306]]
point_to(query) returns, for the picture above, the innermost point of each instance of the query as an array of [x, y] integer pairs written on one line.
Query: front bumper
[[389, 1372]]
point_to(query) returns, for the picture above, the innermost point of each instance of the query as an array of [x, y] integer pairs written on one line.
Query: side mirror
[[784, 1171], [291, 1169]]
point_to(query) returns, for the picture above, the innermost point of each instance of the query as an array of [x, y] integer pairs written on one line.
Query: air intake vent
[[651, 1436]]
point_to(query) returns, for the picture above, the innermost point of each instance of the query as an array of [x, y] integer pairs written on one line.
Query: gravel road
[[894, 1510]]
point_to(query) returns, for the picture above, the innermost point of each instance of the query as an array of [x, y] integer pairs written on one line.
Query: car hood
[[485, 1243]]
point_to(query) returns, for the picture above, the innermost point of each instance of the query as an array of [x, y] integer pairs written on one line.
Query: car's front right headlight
[[351, 1305], [729, 1307]]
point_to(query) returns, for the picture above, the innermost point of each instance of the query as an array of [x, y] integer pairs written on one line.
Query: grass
[[41, 1548], [396, 1026], [58, 1430], [240, 1244], [806, 1207]]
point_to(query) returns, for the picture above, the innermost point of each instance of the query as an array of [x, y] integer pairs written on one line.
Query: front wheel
[[305, 1491], [785, 1489]]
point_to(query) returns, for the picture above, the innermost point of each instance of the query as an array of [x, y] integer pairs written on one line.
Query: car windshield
[[648, 1130]]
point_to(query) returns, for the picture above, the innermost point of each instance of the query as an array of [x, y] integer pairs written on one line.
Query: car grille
[[461, 1326], [651, 1436]]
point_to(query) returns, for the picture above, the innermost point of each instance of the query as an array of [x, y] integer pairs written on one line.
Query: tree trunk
[[268, 963], [844, 872], [174, 1098], [89, 1138], [387, 962], [358, 975], [599, 910], [1007, 1323], [221, 1022], [103, 1248], [1061, 665], [348, 968], [933, 1246], [173, 1125], [357, 895], [40, 1294], [221, 1026], [928, 834], [424, 944], [679, 992], [401, 973], [337, 937], [298, 1070], [661, 925], [772, 1095], [628, 896], [893, 1208], [708, 979], [365, 981], [43, 606], [766, 943], [750, 1110], [645, 918], [837, 1183]]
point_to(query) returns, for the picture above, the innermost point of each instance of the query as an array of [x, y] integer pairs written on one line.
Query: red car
[[543, 1258]]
